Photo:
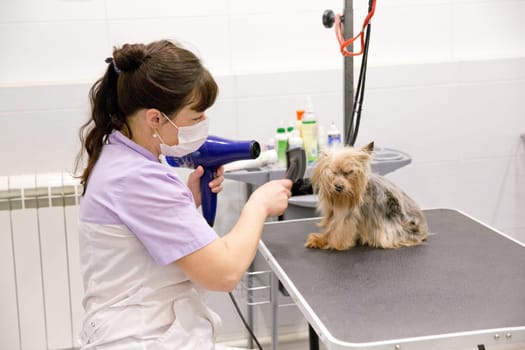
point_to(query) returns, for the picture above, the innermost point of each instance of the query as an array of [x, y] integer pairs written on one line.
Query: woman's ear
[[153, 118]]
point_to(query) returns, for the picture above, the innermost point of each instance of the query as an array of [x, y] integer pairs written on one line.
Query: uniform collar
[[117, 138]]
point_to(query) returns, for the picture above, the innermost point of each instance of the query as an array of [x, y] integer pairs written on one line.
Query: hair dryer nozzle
[[255, 149]]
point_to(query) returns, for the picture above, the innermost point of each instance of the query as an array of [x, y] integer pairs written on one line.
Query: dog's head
[[340, 176]]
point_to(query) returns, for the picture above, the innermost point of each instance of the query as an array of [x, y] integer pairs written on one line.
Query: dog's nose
[[339, 187]]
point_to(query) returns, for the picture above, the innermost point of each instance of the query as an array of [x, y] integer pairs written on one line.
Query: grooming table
[[463, 289]]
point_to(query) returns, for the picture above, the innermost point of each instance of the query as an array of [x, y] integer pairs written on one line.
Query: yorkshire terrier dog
[[359, 207]]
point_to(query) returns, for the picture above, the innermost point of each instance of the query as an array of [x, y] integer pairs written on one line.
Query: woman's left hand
[[194, 183], [216, 183]]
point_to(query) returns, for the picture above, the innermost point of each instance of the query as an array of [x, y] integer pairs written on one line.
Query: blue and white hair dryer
[[213, 153]]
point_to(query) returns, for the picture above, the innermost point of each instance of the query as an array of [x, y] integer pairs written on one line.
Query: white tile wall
[[36, 52], [40, 141], [67, 40], [13, 11], [417, 120], [493, 181], [488, 29], [243, 7], [125, 9], [223, 119], [212, 46], [485, 111], [302, 43], [410, 34]]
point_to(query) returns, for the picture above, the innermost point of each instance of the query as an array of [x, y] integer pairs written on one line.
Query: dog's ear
[[318, 167], [368, 148]]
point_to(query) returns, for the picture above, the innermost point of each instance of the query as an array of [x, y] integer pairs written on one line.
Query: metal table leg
[[249, 308], [314, 338], [274, 295]]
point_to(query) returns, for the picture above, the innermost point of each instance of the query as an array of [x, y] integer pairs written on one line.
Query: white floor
[[301, 344], [296, 345]]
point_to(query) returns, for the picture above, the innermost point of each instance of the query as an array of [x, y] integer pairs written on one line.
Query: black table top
[[466, 278]]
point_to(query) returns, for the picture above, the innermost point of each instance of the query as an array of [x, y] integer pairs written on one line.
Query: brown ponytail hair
[[159, 75]]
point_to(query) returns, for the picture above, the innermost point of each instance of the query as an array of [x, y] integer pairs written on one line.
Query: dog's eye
[[348, 172]]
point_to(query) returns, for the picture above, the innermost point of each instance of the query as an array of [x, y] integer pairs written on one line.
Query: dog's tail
[[416, 228]]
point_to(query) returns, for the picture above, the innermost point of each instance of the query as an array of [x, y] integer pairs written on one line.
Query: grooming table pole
[[348, 68], [348, 72]]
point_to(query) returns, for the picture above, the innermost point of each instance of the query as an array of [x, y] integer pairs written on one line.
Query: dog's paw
[[315, 240]]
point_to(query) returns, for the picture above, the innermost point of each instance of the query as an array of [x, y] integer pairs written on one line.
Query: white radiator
[[40, 296]]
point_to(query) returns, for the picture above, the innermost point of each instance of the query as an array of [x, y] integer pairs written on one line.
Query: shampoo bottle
[[309, 133]]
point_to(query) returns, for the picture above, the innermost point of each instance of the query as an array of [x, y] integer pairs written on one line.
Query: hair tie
[[112, 61]]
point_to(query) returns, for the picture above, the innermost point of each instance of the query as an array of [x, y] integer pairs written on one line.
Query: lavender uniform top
[[136, 218]]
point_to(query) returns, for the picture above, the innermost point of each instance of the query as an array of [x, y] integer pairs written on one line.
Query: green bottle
[[281, 144]]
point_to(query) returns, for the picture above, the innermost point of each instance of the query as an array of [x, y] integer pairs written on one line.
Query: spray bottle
[[299, 121], [309, 133]]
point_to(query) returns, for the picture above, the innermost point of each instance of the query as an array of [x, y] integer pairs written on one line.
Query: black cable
[[358, 104], [358, 101], [353, 130], [244, 321]]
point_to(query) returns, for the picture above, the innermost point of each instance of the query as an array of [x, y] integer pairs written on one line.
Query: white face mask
[[190, 139]]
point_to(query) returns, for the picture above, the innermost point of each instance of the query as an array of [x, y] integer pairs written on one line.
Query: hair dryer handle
[[208, 198]]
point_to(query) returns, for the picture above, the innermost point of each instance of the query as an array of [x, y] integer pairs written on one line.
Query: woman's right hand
[[272, 196]]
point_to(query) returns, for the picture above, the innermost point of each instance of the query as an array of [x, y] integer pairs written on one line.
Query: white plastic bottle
[[281, 144], [309, 133], [322, 140], [295, 140], [289, 129], [334, 136], [270, 144]]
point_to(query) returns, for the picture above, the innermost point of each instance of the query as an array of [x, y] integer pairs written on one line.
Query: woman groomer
[[147, 254]]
